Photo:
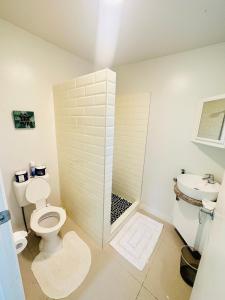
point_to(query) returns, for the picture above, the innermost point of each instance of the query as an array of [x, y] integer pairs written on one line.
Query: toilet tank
[[20, 189]]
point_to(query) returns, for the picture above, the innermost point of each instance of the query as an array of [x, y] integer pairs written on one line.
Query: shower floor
[[118, 207]]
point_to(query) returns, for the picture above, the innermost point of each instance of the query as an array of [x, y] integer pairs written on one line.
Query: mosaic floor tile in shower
[[118, 207]]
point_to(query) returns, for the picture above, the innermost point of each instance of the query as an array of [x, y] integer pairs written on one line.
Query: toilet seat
[[50, 211]]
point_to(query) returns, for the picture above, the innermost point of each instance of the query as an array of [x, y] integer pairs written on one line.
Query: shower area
[[130, 136], [101, 140]]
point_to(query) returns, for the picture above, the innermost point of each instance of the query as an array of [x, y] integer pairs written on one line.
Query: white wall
[[29, 68], [84, 110], [177, 83], [131, 125]]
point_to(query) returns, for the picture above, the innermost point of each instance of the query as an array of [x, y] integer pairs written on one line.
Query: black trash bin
[[189, 263]]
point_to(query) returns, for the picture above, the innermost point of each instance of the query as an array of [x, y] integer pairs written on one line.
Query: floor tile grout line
[[148, 269], [139, 292], [142, 285]]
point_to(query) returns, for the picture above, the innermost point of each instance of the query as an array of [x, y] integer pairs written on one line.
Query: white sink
[[195, 187]]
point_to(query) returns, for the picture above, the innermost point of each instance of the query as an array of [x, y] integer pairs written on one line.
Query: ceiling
[[113, 32]]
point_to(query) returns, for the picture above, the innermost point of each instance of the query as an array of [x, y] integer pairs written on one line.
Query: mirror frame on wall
[[209, 142]]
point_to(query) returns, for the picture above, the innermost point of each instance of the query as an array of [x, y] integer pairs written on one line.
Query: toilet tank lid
[[38, 189]]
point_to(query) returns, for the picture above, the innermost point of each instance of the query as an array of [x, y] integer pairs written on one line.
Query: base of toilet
[[51, 245]]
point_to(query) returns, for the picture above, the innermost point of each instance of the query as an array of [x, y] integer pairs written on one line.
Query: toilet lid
[[38, 189]]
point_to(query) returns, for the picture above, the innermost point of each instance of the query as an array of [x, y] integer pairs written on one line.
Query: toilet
[[46, 220]]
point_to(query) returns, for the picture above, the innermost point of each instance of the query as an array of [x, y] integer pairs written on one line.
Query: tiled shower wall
[[84, 113], [131, 127]]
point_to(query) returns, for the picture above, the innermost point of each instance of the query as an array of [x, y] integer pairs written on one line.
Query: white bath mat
[[61, 273], [137, 239]]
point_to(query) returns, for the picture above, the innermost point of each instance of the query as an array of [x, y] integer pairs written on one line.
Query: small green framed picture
[[23, 119]]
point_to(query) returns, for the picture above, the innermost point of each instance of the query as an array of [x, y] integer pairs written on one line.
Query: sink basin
[[195, 187]]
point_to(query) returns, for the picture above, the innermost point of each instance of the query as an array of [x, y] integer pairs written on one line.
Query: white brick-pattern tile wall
[[84, 113], [131, 126]]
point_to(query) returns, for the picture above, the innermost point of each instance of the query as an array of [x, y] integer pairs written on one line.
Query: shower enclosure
[[93, 182], [131, 128]]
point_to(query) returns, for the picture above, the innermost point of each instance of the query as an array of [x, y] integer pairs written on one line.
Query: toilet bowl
[[46, 220]]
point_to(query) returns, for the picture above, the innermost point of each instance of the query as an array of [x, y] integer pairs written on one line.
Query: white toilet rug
[[61, 273], [137, 239]]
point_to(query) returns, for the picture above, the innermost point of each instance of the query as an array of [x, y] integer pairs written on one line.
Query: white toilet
[[46, 220]]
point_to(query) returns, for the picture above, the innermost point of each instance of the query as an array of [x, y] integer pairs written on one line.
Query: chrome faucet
[[210, 178]]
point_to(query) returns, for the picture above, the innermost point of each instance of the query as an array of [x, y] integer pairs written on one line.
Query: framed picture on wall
[[23, 119]]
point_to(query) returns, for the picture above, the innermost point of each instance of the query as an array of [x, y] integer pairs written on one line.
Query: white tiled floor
[[113, 278]]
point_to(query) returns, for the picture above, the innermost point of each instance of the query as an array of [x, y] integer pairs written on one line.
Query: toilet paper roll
[[20, 240]]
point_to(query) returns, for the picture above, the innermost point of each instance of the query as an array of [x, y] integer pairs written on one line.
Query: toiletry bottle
[[32, 169]]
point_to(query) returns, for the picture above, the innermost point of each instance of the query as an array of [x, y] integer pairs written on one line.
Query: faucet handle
[[207, 176], [210, 178]]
